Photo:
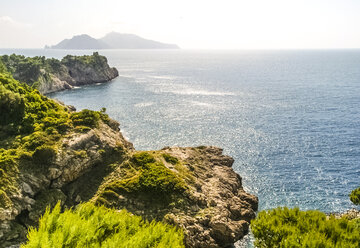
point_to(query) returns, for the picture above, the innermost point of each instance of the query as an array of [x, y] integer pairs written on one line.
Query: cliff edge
[[51, 75], [49, 152]]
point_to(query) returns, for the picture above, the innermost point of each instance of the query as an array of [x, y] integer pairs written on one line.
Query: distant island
[[112, 40]]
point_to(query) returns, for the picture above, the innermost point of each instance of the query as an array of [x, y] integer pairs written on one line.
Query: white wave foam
[[143, 104], [202, 104], [126, 76], [163, 77], [190, 91]]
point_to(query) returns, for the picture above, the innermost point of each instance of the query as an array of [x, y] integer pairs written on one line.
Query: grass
[[96, 226]]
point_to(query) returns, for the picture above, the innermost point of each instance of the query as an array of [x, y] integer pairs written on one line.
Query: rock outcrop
[[50, 153], [51, 75], [214, 210], [72, 176]]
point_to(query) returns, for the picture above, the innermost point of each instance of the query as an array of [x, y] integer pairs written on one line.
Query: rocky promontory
[[50, 153], [51, 75]]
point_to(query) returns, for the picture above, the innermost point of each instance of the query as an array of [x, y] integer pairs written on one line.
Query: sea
[[289, 118]]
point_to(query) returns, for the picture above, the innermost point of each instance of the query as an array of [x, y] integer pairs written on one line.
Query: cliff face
[[90, 70], [213, 209], [52, 153], [51, 75]]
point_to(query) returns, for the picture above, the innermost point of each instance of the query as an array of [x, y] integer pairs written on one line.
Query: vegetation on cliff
[[49, 74], [31, 127], [355, 196], [145, 177], [48, 153], [92, 226]]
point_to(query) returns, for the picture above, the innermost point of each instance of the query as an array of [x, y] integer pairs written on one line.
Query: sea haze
[[290, 119]]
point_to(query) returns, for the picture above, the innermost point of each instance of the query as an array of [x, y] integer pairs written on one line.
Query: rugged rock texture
[[92, 70], [50, 153], [222, 211], [214, 211], [51, 75], [74, 175], [349, 214]]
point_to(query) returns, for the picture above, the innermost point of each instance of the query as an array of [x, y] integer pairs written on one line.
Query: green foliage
[[23, 68], [86, 60], [31, 126], [355, 196], [5, 202], [151, 180], [170, 159], [44, 154], [2, 67], [143, 158], [283, 227], [91, 226], [86, 118], [38, 70], [12, 106]]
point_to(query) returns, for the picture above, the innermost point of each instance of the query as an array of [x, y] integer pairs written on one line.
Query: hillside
[[50, 75], [49, 153], [83, 41], [112, 40]]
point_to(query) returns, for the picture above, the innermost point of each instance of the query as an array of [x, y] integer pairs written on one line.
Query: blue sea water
[[290, 119]]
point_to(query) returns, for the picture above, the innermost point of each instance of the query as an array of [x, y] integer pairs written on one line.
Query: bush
[[355, 196], [86, 117], [283, 227], [44, 154], [143, 158], [91, 226], [151, 180], [170, 159], [12, 106]]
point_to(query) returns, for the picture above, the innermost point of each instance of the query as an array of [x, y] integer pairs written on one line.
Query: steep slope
[[50, 75], [49, 153], [44, 147]]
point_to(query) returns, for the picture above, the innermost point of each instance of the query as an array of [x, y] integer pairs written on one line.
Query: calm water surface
[[291, 119]]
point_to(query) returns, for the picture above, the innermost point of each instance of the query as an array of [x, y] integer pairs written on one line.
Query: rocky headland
[[51, 153], [51, 75], [112, 40]]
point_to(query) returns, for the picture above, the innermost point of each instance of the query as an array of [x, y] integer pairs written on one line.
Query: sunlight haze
[[227, 24]]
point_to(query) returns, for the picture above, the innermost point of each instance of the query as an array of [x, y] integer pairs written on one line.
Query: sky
[[191, 24]]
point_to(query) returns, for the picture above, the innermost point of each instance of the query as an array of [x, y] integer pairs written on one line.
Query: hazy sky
[[205, 24]]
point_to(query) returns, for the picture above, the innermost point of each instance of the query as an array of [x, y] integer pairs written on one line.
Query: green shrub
[[151, 180], [91, 226], [143, 158], [170, 159], [283, 227], [44, 154], [12, 106], [85, 117], [355, 196]]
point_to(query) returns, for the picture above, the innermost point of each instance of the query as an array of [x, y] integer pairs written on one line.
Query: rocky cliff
[[51, 75], [52, 153]]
